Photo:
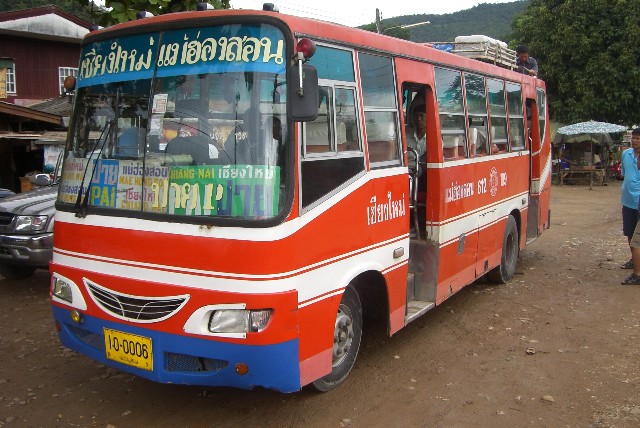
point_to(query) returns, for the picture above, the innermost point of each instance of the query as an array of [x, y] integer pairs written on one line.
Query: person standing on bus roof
[[524, 63], [630, 192]]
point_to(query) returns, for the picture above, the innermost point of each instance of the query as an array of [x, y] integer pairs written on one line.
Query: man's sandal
[[632, 279]]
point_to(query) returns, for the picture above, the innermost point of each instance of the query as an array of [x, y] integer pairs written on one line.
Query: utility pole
[[378, 23]]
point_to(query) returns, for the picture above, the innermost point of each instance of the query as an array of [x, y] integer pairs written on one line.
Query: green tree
[[71, 6], [126, 10], [588, 54]]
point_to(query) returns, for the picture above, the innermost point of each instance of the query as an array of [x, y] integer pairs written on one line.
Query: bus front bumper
[[188, 360]]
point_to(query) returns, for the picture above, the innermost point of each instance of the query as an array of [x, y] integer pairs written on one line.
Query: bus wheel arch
[[366, 298], [504, 272], [346, 340]]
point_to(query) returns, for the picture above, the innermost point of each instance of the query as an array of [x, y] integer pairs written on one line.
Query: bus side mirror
[[302, 100]]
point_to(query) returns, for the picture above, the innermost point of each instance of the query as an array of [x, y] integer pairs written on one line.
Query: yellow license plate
[[129, 349]]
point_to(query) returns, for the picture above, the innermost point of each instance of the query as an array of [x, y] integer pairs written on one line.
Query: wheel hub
[[342, 335]]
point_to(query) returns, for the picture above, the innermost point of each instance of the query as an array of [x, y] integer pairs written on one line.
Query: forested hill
[[493, 20]]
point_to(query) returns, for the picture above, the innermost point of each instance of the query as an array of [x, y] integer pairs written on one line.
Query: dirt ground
[[554, 348]]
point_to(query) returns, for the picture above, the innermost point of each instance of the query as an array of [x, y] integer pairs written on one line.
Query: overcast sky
[[358, 12]]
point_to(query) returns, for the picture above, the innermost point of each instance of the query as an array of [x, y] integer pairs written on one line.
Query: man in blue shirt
[[630, 194], [524, 63]]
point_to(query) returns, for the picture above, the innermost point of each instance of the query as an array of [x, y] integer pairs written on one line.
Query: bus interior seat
[[452, 147], [500, 143], [318, 138], [381, 139], [478, 140], [473, 141], [380, 151]]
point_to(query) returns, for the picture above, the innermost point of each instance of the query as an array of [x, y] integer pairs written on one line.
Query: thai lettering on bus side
[[484, 186], [230, 49], [465, 190], [387, 210]]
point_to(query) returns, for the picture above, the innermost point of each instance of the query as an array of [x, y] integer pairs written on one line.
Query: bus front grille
[[94, 340], [135, 308], [190, 363]]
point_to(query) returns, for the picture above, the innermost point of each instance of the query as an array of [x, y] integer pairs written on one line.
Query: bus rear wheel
[[346, 340], [503, 273]]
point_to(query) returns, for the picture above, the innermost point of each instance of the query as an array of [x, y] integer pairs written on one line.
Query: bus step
[[415, 308], [530, 240], [411, 287]]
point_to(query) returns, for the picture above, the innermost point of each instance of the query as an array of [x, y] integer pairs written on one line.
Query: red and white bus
[[233, 203]]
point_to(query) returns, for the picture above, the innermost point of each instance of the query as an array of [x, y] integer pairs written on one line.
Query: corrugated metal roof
[[47, 22], [58, 106]]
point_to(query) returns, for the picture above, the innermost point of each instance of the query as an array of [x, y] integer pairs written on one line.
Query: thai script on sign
[[386, 210], [200, 50], [230, 190]]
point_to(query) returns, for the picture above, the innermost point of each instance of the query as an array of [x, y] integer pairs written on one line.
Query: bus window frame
[[395, 110], [470, 116], [502, 142], [455, 132], [517, 116], [334, 84]]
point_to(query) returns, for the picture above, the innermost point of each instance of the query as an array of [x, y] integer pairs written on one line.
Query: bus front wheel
[[503, 273], [346, 340]]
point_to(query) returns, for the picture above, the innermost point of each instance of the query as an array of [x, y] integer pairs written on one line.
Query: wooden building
[[39, 47]]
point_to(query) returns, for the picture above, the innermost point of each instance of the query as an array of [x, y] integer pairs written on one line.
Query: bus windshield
[[188, 122]]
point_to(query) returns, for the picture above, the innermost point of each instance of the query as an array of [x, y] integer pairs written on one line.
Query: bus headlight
[[66, 292], [61, 289], [239, 321]]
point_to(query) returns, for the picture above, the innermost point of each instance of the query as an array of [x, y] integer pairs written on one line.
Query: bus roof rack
[[482, 48]]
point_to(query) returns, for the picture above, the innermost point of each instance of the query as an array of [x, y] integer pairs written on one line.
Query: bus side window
[[318, 132], [452, 113], [380, 109], [498, 112], [476, 97]]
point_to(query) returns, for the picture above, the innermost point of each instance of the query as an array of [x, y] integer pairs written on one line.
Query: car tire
[[16, 271]]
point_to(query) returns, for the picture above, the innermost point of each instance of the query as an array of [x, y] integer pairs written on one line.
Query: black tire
[[510, 249], [346, 343], [16, 271]]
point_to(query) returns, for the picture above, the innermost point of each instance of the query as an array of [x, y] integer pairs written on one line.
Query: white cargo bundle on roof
[[485, 49]]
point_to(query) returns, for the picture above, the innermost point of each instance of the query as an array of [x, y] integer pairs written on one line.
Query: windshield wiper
[[82, 203], [107, 132]]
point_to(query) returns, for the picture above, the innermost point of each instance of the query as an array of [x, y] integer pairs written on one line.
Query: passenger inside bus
[[417, 130], [416, 133], [478, 140], [243, 143], [417, 137], [275, 150]]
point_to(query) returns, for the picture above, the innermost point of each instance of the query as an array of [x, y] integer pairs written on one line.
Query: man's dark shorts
[[629, 221]]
